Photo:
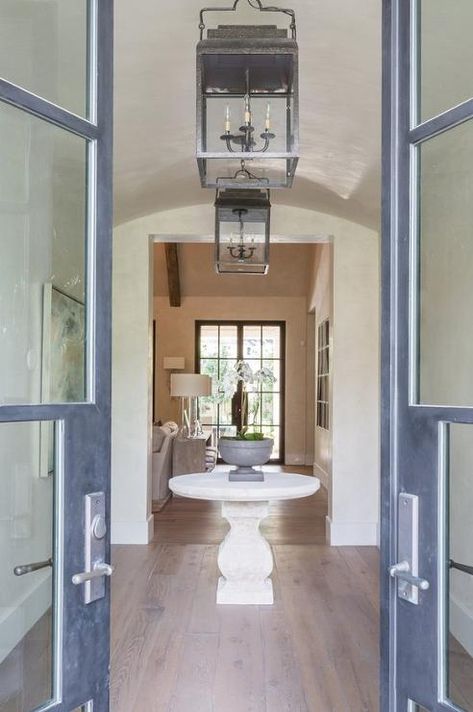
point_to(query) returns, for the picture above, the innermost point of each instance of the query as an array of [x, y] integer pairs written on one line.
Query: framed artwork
[[322, 375], [62, 362]]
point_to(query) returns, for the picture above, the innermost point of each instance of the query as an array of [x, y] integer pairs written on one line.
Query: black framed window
[[219, 345]]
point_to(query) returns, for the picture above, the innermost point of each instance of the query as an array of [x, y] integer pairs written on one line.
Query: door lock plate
[[95, 531], [408, 544]]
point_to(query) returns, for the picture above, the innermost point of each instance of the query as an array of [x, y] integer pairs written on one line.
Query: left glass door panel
[[27, 572], [43, 236]]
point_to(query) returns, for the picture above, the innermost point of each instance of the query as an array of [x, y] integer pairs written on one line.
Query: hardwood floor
[[175, 650]]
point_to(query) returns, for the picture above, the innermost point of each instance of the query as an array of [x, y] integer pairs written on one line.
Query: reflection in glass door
[[219, 346]]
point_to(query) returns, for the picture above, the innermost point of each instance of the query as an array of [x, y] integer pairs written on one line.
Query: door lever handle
[[99, 570], [401, 571], [461, 567], [28, 568]]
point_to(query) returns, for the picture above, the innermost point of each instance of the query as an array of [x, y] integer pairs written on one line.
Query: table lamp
[[189, 387]]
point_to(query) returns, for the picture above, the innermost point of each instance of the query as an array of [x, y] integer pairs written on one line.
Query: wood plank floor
[[175, 650]]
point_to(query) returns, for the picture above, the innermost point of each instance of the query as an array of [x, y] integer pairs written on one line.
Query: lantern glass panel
[[254, 257], [279, 113]]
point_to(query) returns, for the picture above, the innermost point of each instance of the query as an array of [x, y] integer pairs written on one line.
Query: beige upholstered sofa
[[163, 437]]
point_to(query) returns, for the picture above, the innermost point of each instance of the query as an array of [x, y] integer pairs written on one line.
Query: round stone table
[[245, 559]]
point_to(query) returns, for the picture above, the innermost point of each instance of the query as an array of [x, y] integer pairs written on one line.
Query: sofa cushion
[[158, 437], [160, 432]]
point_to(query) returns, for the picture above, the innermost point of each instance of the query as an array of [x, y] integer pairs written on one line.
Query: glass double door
[[428, 356], [220, 345], [55, 274]]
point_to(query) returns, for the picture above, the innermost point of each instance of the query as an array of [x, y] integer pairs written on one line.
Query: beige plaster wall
[[175, 327], [289, 273]]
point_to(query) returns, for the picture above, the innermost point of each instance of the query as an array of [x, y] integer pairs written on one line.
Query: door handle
[[99, 570], [461, 567], [28, 568], [402, 570]]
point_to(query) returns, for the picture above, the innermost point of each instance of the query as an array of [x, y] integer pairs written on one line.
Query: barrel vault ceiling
[[340, 68]]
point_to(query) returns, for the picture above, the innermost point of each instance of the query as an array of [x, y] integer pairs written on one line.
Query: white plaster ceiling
[[340, 68]]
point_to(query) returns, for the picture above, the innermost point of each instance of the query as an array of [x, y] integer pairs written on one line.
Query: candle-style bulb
[[247, 110], [227, 119], [268, 117]]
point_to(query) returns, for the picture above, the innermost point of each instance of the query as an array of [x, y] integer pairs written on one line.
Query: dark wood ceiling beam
[[172, 264]]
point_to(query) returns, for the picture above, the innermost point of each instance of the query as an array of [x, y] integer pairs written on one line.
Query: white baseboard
[[18, 619], [461, 624], [133, 532], [293, 458], [351, 533], [321, 474]]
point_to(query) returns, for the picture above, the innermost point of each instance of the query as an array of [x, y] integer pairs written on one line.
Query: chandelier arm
[[259, 6]]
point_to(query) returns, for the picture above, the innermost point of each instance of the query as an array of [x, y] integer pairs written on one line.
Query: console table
[[245, 558], [188, 454]]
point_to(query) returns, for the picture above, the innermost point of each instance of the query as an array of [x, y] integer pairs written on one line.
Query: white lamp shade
[[190, 384]]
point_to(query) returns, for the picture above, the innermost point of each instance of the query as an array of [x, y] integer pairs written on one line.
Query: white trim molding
[[351, 533], [133, 532]]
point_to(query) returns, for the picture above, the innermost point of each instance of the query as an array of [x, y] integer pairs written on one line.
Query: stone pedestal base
[[245, 558]]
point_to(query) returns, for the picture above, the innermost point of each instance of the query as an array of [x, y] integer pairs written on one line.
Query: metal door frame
[[418, 466], [84, 428]]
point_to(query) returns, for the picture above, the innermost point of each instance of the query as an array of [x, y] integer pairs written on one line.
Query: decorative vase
[[245, 454]]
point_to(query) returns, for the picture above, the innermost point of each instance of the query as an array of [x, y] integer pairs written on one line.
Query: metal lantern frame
[[230, 206], [241, 40]]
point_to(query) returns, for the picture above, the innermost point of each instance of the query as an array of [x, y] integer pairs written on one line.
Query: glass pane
[[222, 105], [459, 638], [446, 268], [228, 342], [42, 266], [255, 366], [43, 48], [225, 412], [271, 341], [273, 432], [445, 55], [26, 599], [207, 411], [208, 341], [414, 707], [227, 431], [271, 413], [251, 342], [273, 383], [226, 367], [254, 411], [209, 367]]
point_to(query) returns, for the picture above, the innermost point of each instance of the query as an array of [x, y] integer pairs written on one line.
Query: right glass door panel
[[458, 651], [445, 55], [445, 268]]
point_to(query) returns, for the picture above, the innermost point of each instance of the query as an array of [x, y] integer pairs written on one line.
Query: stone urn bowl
[[245, 454]]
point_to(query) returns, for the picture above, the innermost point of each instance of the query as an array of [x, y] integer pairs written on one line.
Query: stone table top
[[215, 486]]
